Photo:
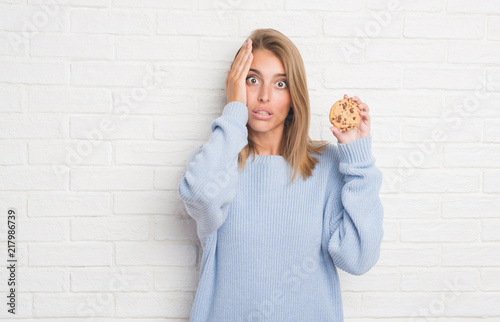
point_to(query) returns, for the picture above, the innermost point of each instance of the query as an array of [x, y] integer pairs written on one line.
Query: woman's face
[[268, 96]]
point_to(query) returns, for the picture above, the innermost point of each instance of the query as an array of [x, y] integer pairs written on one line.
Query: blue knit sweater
[[271, 249]]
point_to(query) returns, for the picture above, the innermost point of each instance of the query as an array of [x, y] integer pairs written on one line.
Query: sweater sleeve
[[356, 232], [208, 185]]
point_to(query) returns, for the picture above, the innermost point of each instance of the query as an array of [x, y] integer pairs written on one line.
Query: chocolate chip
[[351, 110]]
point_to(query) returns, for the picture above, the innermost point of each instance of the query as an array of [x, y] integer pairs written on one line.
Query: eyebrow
[[260, 74]]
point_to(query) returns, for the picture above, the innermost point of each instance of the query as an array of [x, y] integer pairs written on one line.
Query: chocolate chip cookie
[[344, 114]]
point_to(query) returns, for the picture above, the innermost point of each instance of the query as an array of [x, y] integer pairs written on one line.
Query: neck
[[267, 143]]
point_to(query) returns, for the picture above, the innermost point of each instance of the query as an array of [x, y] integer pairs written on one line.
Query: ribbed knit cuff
[[237, 110], [359, 150]]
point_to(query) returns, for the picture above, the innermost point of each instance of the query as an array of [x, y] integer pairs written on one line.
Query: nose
[[264, 94]]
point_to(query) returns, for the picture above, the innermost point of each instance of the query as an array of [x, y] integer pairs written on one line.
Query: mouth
[[262, 113]]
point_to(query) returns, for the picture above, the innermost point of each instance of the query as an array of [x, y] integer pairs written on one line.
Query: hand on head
[[236, 77]]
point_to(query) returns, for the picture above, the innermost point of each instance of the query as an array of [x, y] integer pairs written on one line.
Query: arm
[[208, 185], [356, 233]]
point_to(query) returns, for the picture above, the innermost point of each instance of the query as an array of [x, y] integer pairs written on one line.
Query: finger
[[242, 58], [336, 132], [363, 107], [246, 67], [345, 96]]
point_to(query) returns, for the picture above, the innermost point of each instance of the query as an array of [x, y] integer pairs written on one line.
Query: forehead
[[266, 62]]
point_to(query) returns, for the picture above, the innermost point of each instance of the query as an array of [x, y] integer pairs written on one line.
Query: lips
[[262, 113]]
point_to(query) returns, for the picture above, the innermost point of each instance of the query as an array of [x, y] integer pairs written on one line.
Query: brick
[[208, 23], [219, 49], [490, 229], [314, 51], [442, 27], [409, 206], [429, 180], [76, 152], [128, 103], [74, 46], [33, 72], [11, 98], [109, 74], [111, 126], [491, 181], [493, 28], [167, 153], [32, 178], [69, 100], [406, 5], [120, 279], [405, 51], [155, 253], [362, 76], [16, 200], [174, 228], [70, 204], [157, 48], [492, 79], [490, 279], [391, 181], [24, 305], [475, 305], [13, 153], [112, 21], [477, 156], [474, 104], [183, 127], [351, 303], [491, 131], [13, 44], [364, 27], [434, 280], [32, 20], [70, 254], [473, 52], [44, 280], [290, 24], [161, 4], [470, 206], [76, 3], [110, 228], [35, 126], [168, 178], [377, 279], [440, 232], [409, 256], [191, 77], [42, 229], [403, 104], [324, 5], [166, 305], [176, 279], [471, 255], [488, 7], [71, 305], [402, 304], [151, 202], [111, 178], [442, 78], [414, 155], [450, 128]]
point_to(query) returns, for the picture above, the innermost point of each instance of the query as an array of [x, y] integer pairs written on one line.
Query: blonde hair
[[296, 146]]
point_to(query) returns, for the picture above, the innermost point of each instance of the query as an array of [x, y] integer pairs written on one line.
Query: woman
[[276, 212]]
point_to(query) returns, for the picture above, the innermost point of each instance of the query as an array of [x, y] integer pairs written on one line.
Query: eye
[[251, 80], [281, 84]]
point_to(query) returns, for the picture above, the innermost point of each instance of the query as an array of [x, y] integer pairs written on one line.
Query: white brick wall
[[103, 101]]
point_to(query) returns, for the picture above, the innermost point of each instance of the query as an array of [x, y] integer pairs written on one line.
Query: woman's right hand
[[236, 78]]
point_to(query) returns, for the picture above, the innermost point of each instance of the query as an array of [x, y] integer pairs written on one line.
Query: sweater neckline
[[267, 159]]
